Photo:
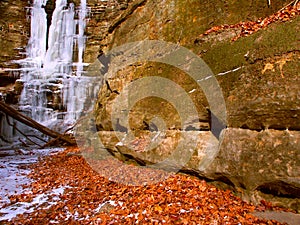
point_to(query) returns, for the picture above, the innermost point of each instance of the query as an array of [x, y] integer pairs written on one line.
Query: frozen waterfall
[[55, 89], [36, 48]]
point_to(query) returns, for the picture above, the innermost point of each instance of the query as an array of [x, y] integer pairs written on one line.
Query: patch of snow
[[120, 144], [135, 215], [49, 199], [185, 211], [13, 175], [112, 203], [192, 91], [14, 170]]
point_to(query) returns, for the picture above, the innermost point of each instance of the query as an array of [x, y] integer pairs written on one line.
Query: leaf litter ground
[[66, 190]]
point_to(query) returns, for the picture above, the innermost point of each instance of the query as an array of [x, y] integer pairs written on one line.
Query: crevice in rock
[[130, 158], [220, 180], [215, 124], [49, 9], [109, 88], [245, 127], [123, 17], [279, 189]]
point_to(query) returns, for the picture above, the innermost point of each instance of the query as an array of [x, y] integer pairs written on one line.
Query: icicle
[[68, 35], [81, 37], [36, 48], [56, 33]]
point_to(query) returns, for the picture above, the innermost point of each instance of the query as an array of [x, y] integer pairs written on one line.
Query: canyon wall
[[257, 154], [14, 33]]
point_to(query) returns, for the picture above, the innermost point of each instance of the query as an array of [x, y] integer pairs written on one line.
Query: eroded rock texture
[[14, 33], [258, 153]]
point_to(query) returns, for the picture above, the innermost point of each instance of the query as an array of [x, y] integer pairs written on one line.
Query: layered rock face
[[14, 33], [258, 153], [101, 14], [14, 30]]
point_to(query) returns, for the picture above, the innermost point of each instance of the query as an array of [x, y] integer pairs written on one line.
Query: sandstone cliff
[[258, 73], [14, 33]]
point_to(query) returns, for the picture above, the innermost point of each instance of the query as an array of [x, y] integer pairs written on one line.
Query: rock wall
[[258, 154], [14, 33], [101, 14]]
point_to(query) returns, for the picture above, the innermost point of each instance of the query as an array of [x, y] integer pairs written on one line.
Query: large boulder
[[256, 164]]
